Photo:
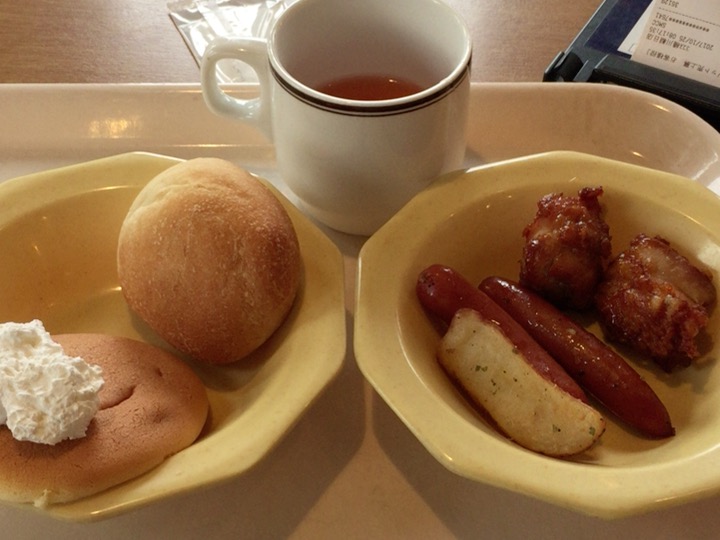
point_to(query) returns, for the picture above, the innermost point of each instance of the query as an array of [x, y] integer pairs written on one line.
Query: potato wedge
[[527, 408]]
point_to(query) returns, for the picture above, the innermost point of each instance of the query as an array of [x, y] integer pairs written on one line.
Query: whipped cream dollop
[[46, 396]]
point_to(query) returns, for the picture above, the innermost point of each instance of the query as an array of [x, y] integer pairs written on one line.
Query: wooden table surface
[[135, 41]]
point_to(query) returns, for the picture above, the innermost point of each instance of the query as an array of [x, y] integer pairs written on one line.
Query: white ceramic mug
[[354, 161]]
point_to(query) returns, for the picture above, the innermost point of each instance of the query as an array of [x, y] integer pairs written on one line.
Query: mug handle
[[253, 52]]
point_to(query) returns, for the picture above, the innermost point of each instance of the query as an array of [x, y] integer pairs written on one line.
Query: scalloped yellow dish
[[473, 221], [58, 239]]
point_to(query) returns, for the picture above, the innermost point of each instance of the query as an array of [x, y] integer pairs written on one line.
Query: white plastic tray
[[350, 468]]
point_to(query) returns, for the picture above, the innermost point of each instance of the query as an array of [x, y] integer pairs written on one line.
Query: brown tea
[[369, 87]]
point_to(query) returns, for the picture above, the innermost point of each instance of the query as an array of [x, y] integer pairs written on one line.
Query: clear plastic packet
[[201, 21]]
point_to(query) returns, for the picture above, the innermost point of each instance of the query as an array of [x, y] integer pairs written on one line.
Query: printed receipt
[[682, 37]]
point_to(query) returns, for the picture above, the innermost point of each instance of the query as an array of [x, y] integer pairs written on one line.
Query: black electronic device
[[595, 56]]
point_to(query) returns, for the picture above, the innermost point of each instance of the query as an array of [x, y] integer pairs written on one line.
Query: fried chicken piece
[[566, 249], [654, 300]]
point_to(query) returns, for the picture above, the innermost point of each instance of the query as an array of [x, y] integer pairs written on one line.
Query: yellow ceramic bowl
[[473, 221], [58, 241]]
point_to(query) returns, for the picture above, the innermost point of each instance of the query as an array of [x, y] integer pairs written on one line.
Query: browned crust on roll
[[152, 405], [209, 259]]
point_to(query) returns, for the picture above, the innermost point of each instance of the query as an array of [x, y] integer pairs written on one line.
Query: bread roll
[[152, 405], [209, 258]]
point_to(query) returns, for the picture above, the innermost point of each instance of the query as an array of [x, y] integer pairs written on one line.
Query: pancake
[[152, 405]]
